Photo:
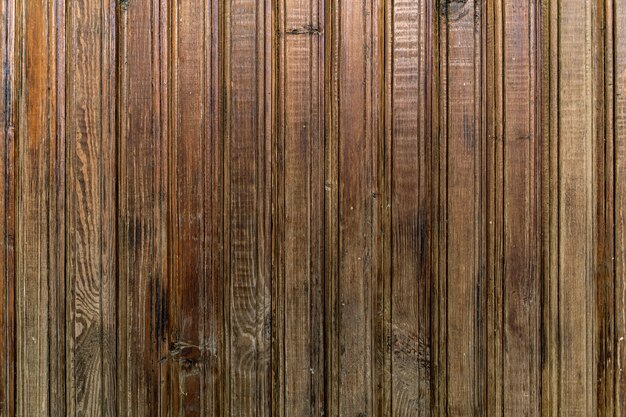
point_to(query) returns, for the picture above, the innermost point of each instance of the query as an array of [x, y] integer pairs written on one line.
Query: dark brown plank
[[300, 215], [90, 209]]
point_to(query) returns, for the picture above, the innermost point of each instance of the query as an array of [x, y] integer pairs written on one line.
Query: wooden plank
[[618, 120], [140, 203], [215, 286], [573, 271], [32, 207], [247, 177], [410, 205], [57, 212], [300, 209], [605, 203], [462, 251], [354, 116], [39, 229], [8, 110], [514, 348], [187, 222], [90, 209]]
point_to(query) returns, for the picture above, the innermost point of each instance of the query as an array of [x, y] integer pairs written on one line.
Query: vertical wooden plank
[[57, 212], [514, 348], [410, 222], [8, 79], [299, 170], [187, 222], [618, 21], [605, 203], [90, 209], [247, 172], [32, 204], [8, 110], [550, 189], [573, 235], [214, 203], [140, 203], [462, 254], [354, 138], [39, 229]]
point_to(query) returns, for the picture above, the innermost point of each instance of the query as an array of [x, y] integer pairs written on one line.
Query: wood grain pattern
[[312, 208]]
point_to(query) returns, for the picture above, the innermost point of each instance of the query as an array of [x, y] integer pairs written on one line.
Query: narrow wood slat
[[141, 167], [299, 172], [354, 69], [8, 110], [410, 205], [605, 203], [32, 179], [514, 348], [90, 209], [247, 173], [619, 130], [573, 272], [462, 252], [187, 221]]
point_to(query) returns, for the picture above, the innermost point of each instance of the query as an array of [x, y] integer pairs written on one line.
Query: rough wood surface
[[312, 208]]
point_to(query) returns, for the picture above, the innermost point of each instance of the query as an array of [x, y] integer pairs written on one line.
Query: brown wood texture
[[333, 208]]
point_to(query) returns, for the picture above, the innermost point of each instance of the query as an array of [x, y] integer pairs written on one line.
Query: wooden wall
[[334, 208]]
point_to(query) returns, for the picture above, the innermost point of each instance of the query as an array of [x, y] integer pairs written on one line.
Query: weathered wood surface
[[313, 208]]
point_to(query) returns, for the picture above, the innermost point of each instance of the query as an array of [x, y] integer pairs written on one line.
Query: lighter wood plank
[[576, 210], [90, 204], [32, 238], [247, 173]]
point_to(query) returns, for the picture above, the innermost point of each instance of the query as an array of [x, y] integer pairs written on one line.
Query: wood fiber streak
[[91, 272], [300, 149]]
